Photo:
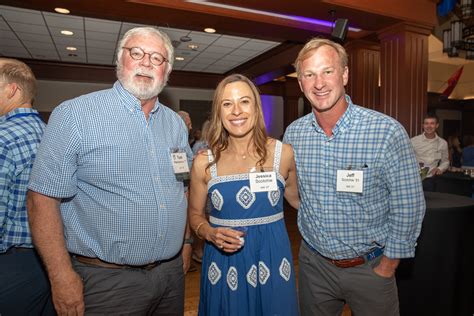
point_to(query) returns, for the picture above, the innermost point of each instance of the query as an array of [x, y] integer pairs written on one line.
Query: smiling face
[[237, 107], [140, 77], [429, 126], [322, 80]]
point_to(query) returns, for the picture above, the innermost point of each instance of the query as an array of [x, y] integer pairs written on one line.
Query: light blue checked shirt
[[390, 210], [20, 134], [121, 201]]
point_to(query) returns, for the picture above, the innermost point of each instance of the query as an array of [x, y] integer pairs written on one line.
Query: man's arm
[[406, 200], [48, 238], [444, 163]]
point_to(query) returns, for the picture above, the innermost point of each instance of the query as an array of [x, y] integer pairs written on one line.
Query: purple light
[[267, 109]]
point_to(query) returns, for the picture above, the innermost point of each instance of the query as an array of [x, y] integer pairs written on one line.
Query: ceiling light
[[179, 58], [193, 46], [62, 10], [66, 32], [185, 39], [209, 30], [71, 48]]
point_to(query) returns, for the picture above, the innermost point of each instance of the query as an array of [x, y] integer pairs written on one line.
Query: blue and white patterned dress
[[258, 279]]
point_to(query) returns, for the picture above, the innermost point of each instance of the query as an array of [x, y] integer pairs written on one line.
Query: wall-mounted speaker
[[339, 31]]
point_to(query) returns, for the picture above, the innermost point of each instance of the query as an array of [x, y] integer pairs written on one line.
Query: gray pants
[[325, 288], [159, 291]]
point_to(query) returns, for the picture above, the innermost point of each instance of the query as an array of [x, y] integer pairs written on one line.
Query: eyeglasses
[[137, 53]]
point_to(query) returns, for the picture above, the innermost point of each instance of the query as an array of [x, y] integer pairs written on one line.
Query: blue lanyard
[[24, 114]]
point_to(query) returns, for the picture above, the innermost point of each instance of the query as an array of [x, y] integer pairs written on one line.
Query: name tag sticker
[[350, 181], [180, 162], [263, 181]]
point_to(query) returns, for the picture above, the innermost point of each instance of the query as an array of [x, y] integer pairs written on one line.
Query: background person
[[430, 149], [107, 211], [455, 151], [247, 273], [362, 202], [24, 286]]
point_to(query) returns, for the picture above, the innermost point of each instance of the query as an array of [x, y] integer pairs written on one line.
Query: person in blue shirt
[[107, 204], [362, 202], [24, 285]]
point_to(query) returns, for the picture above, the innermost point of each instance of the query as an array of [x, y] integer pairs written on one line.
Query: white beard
[[141, 90]]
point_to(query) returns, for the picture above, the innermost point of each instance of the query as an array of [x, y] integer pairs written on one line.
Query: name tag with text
[[263, 181], [350, 181]]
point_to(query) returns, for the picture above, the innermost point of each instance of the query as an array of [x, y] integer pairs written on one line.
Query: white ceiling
[[37, 35]]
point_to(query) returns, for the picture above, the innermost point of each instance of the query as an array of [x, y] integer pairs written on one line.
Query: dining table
[[439, 280]]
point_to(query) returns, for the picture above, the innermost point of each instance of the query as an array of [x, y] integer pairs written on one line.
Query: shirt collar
[[130, 101], [344, 121], [17, 111], [430, 139]]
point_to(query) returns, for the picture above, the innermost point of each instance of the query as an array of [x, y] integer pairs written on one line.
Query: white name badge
[[350, 181], [180, 162], [263, 181]]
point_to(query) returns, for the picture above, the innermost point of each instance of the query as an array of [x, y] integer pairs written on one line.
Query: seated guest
[[431, 150], [468, 152], [455, 151]]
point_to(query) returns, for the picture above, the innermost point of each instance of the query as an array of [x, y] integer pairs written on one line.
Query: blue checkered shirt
[[121, 201], [390, 210], [20, 134]]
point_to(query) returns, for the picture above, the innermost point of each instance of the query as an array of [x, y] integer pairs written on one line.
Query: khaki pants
[[325, 288]]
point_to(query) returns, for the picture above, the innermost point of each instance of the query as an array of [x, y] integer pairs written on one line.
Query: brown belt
[[346, 263], [100, 263]]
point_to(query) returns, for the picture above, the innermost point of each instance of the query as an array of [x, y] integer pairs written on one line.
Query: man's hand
[[436, 172], [186, 252], [386, 267], [68, 296]]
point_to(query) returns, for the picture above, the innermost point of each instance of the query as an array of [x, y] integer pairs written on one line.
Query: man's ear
[[12, 88]]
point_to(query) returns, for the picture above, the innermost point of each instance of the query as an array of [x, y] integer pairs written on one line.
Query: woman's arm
[[291, 189]]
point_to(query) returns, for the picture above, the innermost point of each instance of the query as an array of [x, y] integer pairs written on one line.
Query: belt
[[99, 263], [352, 262]]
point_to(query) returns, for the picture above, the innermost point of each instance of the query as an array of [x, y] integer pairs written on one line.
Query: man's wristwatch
[[189, 240]]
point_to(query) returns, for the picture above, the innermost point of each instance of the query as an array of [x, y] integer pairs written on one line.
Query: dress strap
[[214, 166], [277, 156]]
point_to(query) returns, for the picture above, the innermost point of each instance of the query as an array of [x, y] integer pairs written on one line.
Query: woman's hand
[[226, 239]]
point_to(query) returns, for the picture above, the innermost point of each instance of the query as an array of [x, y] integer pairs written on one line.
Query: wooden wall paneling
[[404, 74], [364, 69]]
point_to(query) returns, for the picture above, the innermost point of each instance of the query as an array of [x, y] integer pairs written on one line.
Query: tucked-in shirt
[[389, 211], [112, 169], [431, 152], [20, 134]]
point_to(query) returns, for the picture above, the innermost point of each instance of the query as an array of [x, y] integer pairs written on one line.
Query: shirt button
[[162, 206]]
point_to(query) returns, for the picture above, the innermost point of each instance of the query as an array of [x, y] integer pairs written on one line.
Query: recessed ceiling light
[[179, 58], [66, 32], [209, 30], [62, 10], [193, 46], [71, 48], [185, 39]]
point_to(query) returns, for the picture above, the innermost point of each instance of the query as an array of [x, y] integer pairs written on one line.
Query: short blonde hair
[[15, 71], [313, 45]]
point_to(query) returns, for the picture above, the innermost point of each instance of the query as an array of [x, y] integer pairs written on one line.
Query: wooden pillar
[[364, 71], [291, 95], [404, 72]]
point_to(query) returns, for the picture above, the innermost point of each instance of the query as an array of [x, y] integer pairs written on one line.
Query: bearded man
[[107, 210]]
